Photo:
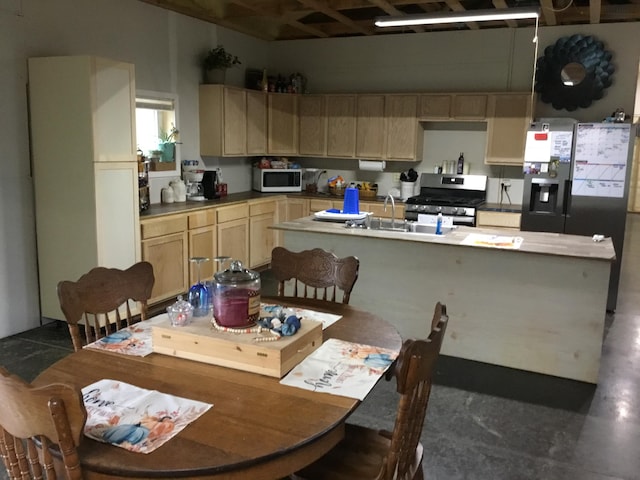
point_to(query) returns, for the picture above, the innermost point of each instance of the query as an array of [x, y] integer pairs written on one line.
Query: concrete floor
[[486, 422]]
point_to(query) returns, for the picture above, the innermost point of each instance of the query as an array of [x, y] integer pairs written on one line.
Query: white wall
[[165, 48]]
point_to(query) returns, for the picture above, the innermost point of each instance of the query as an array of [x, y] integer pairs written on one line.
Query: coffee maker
[[192, 176], [209, 184]]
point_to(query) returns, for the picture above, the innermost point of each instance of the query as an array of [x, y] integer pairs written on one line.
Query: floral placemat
[[341, 368], [136, 419], [134, 340]]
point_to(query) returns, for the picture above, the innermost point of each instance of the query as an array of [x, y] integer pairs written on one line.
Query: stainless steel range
[[456, 196]]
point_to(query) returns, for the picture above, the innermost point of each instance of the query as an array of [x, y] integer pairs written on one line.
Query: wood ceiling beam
[[330, 12], [548, 12], [294, 23], [595, 9], [456, 6], [502, 4], [391, 10]]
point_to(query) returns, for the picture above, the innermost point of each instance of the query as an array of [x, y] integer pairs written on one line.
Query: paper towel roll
[[371, 165]]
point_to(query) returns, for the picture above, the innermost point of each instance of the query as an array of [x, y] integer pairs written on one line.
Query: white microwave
[[277, 180]]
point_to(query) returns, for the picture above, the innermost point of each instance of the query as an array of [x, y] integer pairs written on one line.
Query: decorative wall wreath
[[573, 72]]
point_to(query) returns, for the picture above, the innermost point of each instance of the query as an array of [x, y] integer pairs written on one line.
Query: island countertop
[[542, 243]]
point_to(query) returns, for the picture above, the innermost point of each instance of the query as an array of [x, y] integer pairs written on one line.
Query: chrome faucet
[[393, 209]]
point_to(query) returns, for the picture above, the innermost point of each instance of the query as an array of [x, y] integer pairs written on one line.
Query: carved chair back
[[102, 299], [33, 420], [314, 274]]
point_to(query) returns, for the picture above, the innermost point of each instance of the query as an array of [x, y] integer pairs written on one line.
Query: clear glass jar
[[236, 297]]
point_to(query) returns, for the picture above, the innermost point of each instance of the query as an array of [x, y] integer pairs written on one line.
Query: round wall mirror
[[573, 72]]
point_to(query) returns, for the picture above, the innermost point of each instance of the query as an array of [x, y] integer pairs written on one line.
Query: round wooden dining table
[[257, 428]]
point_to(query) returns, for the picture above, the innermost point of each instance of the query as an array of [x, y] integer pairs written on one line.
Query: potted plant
[[167, 144], [215, 64]]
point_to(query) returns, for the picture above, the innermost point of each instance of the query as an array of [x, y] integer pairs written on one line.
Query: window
[[156, 119]]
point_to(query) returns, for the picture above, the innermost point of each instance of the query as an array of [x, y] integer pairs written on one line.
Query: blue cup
[[351, 201]]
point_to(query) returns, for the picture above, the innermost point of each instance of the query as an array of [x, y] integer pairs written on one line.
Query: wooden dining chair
[[367, 454], [36, 421], [315, 273], [101, 297]]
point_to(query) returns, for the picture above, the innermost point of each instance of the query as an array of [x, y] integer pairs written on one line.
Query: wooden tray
[[201, 342]]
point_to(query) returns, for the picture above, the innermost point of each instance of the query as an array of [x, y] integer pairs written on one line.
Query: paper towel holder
[[374, 166]]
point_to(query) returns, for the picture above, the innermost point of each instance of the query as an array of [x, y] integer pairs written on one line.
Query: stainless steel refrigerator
[[576, 181]]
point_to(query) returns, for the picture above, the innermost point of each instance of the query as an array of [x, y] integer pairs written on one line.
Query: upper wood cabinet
[[434, 107], [223, 121], [312, 123], [282, 124], [469, 107], [508, 118], [456, 106], [341, 126], [370, 126], [403, 140], [256, 122]]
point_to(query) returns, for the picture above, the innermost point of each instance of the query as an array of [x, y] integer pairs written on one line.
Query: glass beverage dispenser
[[236, 296]]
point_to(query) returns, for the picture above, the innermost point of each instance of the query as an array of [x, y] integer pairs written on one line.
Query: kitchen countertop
[[541, 243], [161, 209]]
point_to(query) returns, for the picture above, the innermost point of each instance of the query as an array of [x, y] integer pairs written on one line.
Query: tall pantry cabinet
[[85, 173]]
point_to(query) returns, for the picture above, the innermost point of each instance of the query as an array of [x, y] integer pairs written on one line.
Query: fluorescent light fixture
[[458, 17]]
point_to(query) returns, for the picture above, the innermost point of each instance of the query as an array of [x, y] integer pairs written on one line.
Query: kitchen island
[[539, 307]]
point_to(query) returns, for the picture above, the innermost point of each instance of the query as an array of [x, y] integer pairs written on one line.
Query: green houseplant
[[215, 63]]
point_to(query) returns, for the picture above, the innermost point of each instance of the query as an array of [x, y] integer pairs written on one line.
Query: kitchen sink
[[405, 226]]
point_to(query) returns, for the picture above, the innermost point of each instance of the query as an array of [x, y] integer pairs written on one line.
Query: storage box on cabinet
[[165, 246]]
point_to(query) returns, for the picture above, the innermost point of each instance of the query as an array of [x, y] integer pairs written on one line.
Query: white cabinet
[[82, 112]]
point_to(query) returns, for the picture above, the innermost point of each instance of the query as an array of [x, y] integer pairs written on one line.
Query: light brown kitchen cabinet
[[487, 218], [262, 238], [508, 118], [434, 107], [297, 208], [223, 121], [319, 204], [370, 126], [233, 231], [469, 107], [282, 125], [202, 243], [341, 126], [312, 125], [402, 139], [165, 246], [256, 122]]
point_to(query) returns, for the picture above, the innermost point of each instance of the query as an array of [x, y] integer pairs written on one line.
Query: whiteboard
[[600, 159]]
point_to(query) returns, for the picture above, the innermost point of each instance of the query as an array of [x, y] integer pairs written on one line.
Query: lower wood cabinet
[[233, 232], [262, 238], [202, 243], [297, 208], [165, 246], [487, 218]]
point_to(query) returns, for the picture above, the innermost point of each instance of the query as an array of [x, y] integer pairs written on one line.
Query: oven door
[[465, 220]]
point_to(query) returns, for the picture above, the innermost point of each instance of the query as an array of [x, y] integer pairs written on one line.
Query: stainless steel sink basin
[[405, 226]]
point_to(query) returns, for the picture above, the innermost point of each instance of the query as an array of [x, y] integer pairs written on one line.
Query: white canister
[[179, 190], [406, 189], [166, 195]]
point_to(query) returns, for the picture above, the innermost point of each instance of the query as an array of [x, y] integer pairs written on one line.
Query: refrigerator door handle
[[566, 201]]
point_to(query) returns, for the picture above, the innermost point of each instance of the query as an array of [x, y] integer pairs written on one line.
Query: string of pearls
[[257, 329]]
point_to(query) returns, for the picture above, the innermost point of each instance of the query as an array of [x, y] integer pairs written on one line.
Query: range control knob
[[461, 211]]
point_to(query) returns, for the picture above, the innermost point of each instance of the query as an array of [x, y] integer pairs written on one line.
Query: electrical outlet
[[396, 177]]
